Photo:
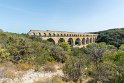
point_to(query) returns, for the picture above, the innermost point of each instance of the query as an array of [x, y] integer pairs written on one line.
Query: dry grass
[[49, 68], [10, 74], [54, 79], [8, 70], [39, 81], [57, 79], [24, 66]]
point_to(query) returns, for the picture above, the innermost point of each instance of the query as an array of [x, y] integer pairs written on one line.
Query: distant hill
[[111, 36]]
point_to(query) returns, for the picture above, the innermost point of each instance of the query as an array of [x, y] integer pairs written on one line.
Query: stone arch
[[64, 34], [67, 34], [54, 34], [61, 34], [58, 35], [39, 34], [90, 40], [61, 40], [87, 41], [70, 35], [95, 39], [78, 41], [51, 40], [45, 34], [70, 41], [50, 34], [83, 41]]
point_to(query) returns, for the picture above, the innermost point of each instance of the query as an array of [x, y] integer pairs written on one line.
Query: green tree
[[65, 46], [119, 61], [95, 53]]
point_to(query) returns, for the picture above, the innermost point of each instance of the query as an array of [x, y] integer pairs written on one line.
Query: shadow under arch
[[50, 34], [61, 40], [78, 41], [87, 41], [54, 35], [90, 40], [70, 41], [44, 35], [51, 40], [83, 41], [39, 34]]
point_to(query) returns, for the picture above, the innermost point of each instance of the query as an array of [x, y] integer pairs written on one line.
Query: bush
[[58, 53], [4, 55], [74, 68], [65, 46]]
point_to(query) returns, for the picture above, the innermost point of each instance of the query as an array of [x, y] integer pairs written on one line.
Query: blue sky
[[61, 15]]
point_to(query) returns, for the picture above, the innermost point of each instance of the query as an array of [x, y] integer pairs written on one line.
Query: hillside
[[111, 36], [28, 59]]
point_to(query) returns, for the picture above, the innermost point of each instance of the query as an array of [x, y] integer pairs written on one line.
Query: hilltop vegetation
[[100, 61], [112, 36]]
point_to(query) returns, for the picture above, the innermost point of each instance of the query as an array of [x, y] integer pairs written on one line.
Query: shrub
[[4, 55], [65, 46], [58, 53], [73, 68]]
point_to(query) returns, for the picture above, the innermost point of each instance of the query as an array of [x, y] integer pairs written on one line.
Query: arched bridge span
[[72, 38]]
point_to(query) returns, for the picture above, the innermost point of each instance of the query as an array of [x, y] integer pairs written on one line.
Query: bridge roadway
[[72, 38]]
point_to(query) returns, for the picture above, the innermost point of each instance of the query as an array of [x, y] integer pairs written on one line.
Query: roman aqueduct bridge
[[73, 38]]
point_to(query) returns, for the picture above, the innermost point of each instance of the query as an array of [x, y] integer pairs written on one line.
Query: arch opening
[[51, 40], [70, 41], [78, 42], [83, 41], [54, 34], [58, 35], [61, 34], [61, 40], [44, 34], [90, 40], [39, 34], [50, 34], [87, 41]]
